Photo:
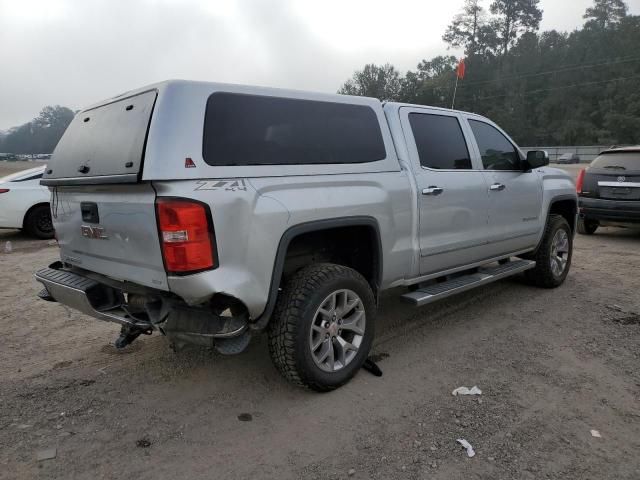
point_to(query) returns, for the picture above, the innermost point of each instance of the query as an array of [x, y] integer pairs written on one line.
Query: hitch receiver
[[128, 334]]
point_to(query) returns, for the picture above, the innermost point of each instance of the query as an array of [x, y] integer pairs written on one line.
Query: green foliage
[[605, 12], [382, 82], [40, 135], [512, 17], [545, 88], [467, 27]]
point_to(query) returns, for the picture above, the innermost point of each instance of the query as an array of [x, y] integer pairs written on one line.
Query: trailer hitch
[[128, 334]]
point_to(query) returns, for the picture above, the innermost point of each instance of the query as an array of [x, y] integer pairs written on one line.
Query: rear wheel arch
[[361, 227]]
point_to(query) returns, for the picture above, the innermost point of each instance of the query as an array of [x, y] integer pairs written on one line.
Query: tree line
[[545, 88], [40, 135]]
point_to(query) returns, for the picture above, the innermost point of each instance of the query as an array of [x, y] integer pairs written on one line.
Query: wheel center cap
[[333, 329]]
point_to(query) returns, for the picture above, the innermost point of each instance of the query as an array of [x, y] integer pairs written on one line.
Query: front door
[[452, 191], [515, 195]]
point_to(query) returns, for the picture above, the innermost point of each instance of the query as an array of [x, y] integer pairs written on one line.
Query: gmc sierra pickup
[[209, 212]]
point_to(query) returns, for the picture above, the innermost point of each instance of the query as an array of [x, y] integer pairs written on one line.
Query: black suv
[[609, 190]]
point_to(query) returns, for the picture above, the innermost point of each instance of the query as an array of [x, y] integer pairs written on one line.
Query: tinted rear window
[[259, 130], [618, 161], [440, 142]]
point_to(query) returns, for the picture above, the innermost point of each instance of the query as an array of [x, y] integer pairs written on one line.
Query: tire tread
[[288, 315], [541, 275]]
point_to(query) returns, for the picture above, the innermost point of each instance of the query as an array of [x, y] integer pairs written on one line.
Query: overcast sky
[[76, 52]]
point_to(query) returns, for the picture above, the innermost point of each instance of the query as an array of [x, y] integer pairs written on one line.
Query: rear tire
[[38, 222], [553, 257], [586, 226], [324, 311]]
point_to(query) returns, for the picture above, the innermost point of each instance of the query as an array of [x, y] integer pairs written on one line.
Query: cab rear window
[[618, 161], [244, 129]]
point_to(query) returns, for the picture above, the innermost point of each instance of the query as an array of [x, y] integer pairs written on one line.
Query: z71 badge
[[230, 185]]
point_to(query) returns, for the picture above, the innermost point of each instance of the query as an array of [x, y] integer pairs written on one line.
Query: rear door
[[104, 218], [452, 194], [614, 175], [515, 196], [104, 144]]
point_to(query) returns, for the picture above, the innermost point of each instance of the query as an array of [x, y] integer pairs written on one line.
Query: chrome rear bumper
[[167, 314], [87, 296]]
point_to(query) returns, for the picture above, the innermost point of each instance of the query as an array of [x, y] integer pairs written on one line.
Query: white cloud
[[76, 52]]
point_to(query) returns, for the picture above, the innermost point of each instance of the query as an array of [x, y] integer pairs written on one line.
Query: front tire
[[323, 326], [553, 257], [586, 226], [38, 223]]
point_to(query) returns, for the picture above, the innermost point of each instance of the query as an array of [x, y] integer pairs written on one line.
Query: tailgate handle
[[89, 212]]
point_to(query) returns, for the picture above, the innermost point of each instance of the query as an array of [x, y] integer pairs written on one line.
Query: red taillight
[[186, 235], [580, 181], [4, 190]]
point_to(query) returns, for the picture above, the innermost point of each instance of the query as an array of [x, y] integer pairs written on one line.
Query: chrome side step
[[483, 276]]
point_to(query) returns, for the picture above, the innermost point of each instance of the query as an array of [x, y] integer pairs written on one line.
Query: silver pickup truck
[[210, 212]]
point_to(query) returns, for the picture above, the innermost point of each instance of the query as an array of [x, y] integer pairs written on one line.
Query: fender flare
[[314, 226], [562, 198], [554, 200]]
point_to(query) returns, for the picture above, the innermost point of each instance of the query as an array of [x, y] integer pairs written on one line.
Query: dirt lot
[[552, 366]]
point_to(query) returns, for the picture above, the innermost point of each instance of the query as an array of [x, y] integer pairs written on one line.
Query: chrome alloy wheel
[[337, 330], [559, 252]]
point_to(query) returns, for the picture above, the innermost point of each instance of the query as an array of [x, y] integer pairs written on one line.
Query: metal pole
[[454, 92]]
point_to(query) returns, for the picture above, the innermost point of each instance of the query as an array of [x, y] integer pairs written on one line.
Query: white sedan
[[24, 203]]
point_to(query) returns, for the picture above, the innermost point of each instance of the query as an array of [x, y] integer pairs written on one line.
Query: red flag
[[461, 69]]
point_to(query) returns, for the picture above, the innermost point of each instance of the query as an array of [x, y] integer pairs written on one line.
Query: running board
[[483, 276]]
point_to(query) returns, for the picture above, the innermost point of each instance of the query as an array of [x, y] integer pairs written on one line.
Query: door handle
[[432, 190], [497, 187]]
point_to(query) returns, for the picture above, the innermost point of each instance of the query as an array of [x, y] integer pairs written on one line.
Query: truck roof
[[415, 105], [185, 85], [179, 84]]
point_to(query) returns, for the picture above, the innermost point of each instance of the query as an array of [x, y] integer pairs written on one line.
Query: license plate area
[[89, 212], [619, 192]]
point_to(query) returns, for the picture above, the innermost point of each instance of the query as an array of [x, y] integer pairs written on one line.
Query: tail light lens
[[580, 181], [4, 190], [186, 235]]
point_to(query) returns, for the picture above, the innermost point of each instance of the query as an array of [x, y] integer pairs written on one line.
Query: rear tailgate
[[112, 230], [104, 216]]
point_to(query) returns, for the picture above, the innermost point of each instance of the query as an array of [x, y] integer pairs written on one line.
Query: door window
[[496, 151], [440, 142]]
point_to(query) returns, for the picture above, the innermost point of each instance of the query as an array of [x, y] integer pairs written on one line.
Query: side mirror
[[536, 159]]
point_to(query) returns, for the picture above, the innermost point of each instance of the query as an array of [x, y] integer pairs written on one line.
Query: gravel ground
[[552, 365]]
